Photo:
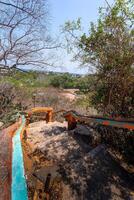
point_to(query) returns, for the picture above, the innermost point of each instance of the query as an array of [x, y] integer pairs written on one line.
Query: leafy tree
[[65, 80], [83, 83], [108, 48]]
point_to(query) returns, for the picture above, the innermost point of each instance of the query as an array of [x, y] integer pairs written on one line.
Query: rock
[[95, 137], [100, 149], [82, 130], [1, 124], [42, 173]]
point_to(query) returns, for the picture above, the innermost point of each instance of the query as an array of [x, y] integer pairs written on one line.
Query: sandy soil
[[70, 94]]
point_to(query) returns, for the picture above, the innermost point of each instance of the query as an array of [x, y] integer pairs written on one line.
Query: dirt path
[[70, 94], [5, 161], [78, 170]]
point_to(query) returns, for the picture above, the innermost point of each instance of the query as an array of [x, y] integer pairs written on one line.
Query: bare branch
[[17, 7], [23, 37]]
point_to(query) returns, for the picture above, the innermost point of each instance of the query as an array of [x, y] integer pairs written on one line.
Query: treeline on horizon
[[50, 79]]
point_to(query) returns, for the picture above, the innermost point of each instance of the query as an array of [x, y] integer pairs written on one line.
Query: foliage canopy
[[108, 47]]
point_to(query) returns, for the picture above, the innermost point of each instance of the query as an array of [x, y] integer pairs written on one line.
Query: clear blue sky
[[64, 10]]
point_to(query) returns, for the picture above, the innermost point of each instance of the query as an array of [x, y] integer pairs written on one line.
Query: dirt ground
[[70, 94], [64, 165]]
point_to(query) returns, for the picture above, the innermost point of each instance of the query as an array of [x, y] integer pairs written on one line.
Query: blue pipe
[[19, 186]]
